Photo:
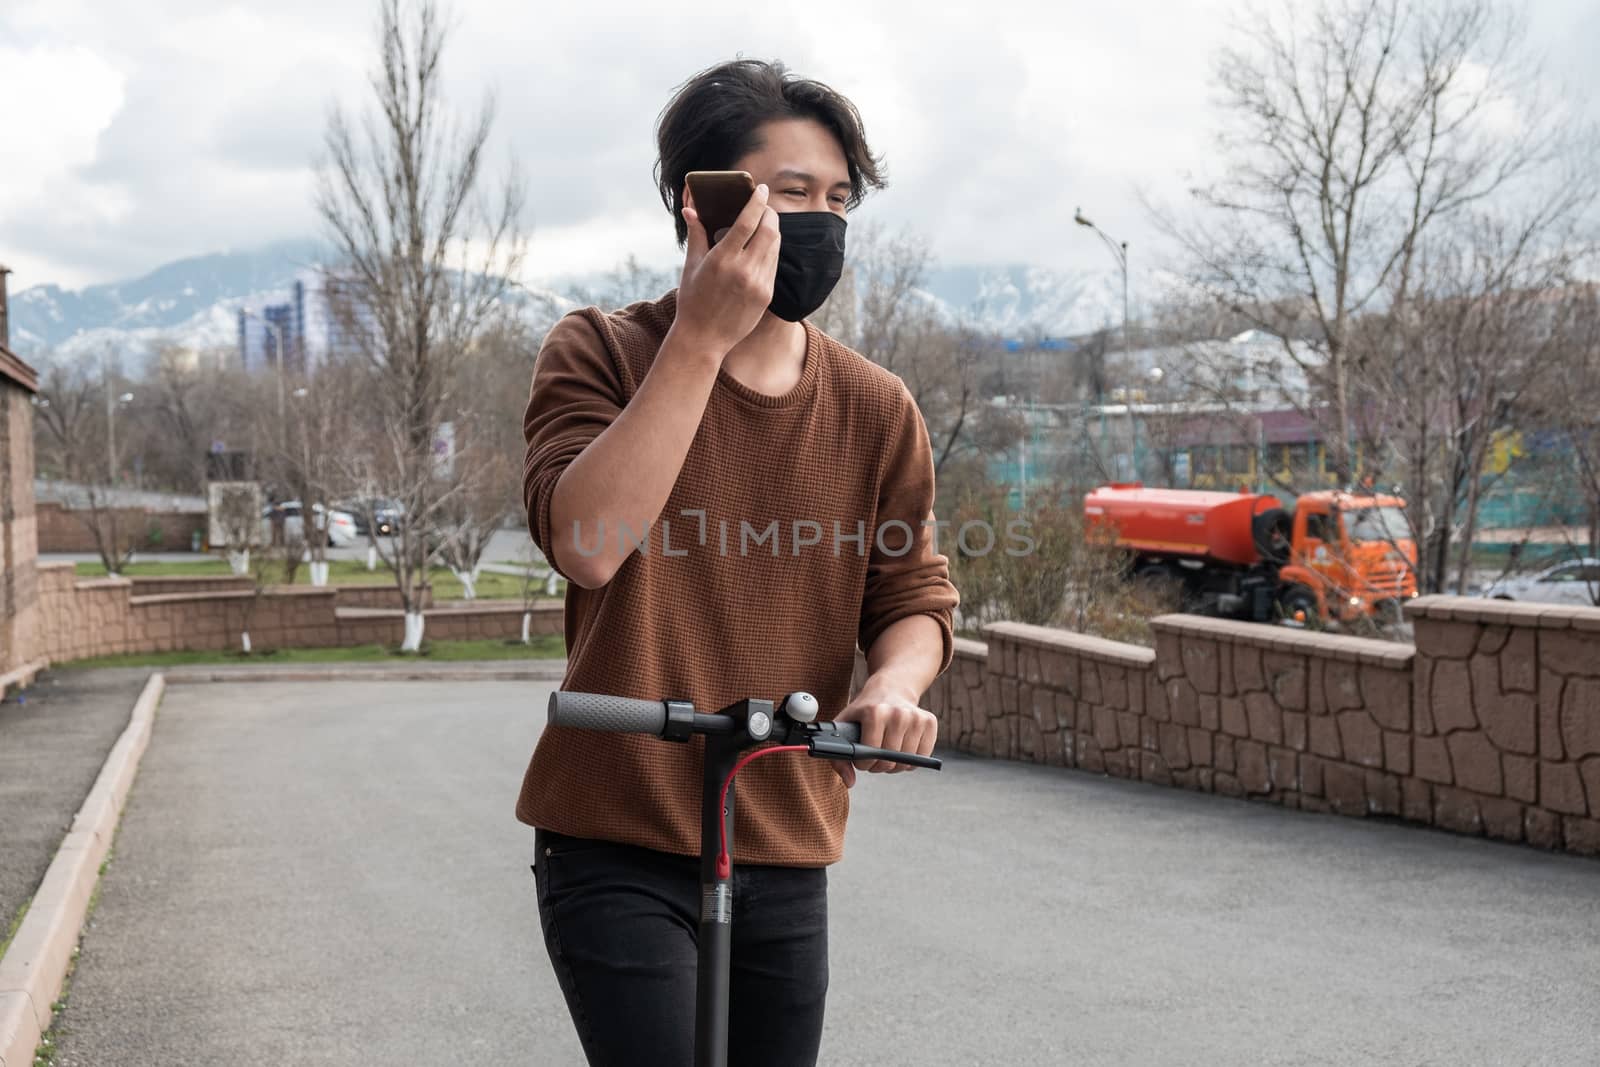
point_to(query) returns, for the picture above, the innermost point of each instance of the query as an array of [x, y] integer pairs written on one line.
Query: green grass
[[1534, 556], [340, 572], [214, 567], [543, 646]]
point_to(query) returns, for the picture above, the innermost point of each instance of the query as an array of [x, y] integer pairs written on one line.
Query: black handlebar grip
[[600, 711]]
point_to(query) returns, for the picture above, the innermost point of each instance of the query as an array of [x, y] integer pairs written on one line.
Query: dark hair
[[712, 120]]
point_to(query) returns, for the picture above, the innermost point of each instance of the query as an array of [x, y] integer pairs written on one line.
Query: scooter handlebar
[[599, 711], [614, 714]]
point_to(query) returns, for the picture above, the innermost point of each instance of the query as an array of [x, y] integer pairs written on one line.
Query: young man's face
[[802, 165]]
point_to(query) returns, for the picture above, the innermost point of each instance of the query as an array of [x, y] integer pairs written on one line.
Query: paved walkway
[[54, 737], [331, 873]]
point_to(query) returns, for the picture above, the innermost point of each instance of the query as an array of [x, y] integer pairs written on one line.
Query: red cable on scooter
[[724, 868]]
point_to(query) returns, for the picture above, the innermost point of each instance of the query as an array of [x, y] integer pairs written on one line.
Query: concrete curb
[[35, 964]]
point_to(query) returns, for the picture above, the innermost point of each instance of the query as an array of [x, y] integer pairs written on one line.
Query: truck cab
[[1351, 555]]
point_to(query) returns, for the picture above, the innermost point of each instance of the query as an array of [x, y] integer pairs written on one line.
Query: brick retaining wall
[[111, 616], [63, 529]]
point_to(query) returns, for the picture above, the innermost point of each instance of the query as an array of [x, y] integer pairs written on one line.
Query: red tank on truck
[[1332, 556]]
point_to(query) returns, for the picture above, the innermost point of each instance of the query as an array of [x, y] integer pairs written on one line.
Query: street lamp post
[[112, 400], [111, 431], [1119, 249], [1022, 457]]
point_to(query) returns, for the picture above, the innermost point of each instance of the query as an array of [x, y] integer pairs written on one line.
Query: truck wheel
[[1298, 607], [1160, 583], [1155, 574]]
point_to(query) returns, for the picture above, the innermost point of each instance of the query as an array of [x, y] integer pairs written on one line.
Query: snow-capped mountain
[[1024, 301], [194, 303]]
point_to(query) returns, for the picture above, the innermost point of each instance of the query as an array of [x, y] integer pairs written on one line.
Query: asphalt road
[[54, 738], [331, 873]]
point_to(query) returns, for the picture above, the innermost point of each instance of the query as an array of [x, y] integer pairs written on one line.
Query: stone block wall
[[461, 620], [377, 596], [191, 583], [113, 616], [1303, 719], [1508, 718], [80, 618], [283, 617], [1489, 725]]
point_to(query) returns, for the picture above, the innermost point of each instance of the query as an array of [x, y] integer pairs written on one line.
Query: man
[[787, 487]]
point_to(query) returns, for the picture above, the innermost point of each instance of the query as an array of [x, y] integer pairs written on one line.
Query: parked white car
[[1577, 581], [341, 525]]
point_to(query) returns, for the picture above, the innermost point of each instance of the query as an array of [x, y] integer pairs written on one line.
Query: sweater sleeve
[[575, 394], [904, 580]]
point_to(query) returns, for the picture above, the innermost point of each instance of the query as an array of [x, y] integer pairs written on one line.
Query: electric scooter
[[745, 724]]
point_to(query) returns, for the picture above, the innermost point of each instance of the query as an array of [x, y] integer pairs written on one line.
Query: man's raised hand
[[724, 290]]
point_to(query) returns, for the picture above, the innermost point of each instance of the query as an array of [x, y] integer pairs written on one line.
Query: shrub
[[1046, 566]]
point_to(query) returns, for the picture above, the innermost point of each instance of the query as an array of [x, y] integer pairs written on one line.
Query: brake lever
[[836, 748]]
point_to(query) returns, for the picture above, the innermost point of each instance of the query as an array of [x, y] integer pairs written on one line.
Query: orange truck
[[1333, 556]]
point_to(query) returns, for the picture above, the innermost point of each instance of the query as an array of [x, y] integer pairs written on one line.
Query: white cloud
[[58, 99], [600, 244], [165, 128]]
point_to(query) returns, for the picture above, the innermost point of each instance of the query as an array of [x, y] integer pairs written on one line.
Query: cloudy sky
[[135, 133]]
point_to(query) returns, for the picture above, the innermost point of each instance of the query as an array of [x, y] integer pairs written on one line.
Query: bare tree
[[484, 497], [194, 398], [422, 258], [261, 570], [1045, 565], [880, 309], [1489, 317], [238, 517], [628, 282], [537, 580], [306, 457], [1578, 417], [1567, 407], [488, 441], [1354, 127], [72, 415]]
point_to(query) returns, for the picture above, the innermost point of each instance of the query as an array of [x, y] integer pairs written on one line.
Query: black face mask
[[810, 260]]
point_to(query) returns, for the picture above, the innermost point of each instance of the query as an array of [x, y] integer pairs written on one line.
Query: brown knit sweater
[[845, 450]]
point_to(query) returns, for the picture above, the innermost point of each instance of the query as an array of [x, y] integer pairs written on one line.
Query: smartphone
[[719, 196]]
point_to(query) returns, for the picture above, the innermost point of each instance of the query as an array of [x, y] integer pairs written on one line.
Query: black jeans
[[621, 926]]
